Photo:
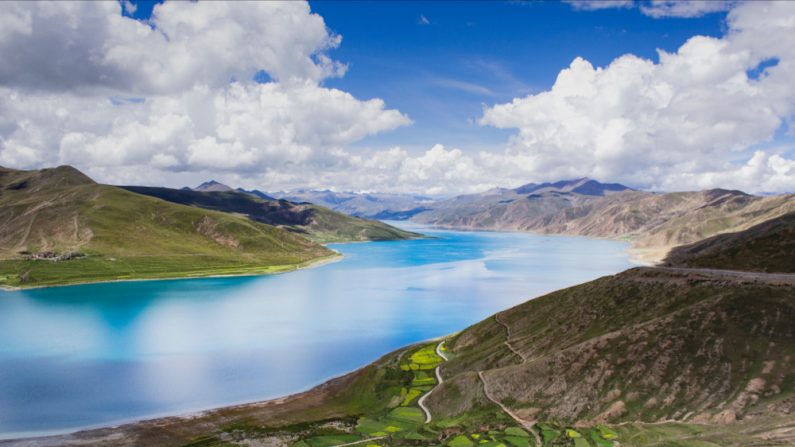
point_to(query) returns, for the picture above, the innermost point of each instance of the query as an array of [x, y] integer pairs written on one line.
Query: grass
[[122, 235], [98, 268]]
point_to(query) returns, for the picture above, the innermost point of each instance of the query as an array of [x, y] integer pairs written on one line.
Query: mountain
[[316, 222], [583, 186], [654, 222], [663, 356], [366, 205], [256, 193], [212, 185], [767, 247], [60, 227]]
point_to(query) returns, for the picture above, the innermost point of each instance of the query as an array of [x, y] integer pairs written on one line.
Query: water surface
[[80, 356]]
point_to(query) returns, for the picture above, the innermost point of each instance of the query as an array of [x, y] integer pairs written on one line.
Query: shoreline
[[317, 262]]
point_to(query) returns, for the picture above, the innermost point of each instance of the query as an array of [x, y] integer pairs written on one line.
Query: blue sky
[[442, 70], [474, 53], [421, 97]]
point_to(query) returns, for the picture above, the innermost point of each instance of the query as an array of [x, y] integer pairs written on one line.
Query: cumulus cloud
[[100, 90], [91, 45], [671, 123], [243, 127]]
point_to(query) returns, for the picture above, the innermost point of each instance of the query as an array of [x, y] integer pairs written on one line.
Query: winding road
[[439, 381]]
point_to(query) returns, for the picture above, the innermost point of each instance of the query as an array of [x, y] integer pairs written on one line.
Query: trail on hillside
[[529, 426], [439, 381]]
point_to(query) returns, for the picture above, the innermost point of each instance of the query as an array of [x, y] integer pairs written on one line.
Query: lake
[[82, 356]]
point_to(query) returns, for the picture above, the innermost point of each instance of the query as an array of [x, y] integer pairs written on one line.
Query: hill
[[60, 227], [654, 222], [316, 222], [767, 247]]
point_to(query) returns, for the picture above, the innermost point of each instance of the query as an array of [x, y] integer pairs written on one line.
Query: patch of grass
[[331, 440], [411, 396], [407, 414], [518, 441], [460, 441]]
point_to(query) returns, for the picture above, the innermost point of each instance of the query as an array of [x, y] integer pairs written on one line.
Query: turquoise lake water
[[81, 356]]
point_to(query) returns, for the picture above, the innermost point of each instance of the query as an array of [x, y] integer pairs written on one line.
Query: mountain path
[[439, 380], [529, 426], [507, 341]]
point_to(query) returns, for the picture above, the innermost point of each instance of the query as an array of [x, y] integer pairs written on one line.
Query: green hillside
[[767, 247], [60, 227], [316, 222]]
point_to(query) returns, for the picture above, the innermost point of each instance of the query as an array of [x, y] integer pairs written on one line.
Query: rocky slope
[[649, 344], [58, 227], [316, 222], [766, 247], [653, 222]]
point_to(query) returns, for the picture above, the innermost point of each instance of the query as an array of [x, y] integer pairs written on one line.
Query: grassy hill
[[644, 345], [316, 222], [60, 227], [767, 247]]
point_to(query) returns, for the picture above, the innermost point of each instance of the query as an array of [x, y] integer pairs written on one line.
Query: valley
[[647, 357]]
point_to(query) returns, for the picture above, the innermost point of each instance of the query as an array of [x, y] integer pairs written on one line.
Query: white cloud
[[685, 8], [681, 118], [90, 45], [243, 127], [659, 8], [99, 90], [591, 5]]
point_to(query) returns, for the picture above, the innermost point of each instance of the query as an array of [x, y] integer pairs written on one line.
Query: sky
[[422, 97]]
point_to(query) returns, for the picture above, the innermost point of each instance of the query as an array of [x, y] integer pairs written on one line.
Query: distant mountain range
[[653, 222], [368, 205]]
